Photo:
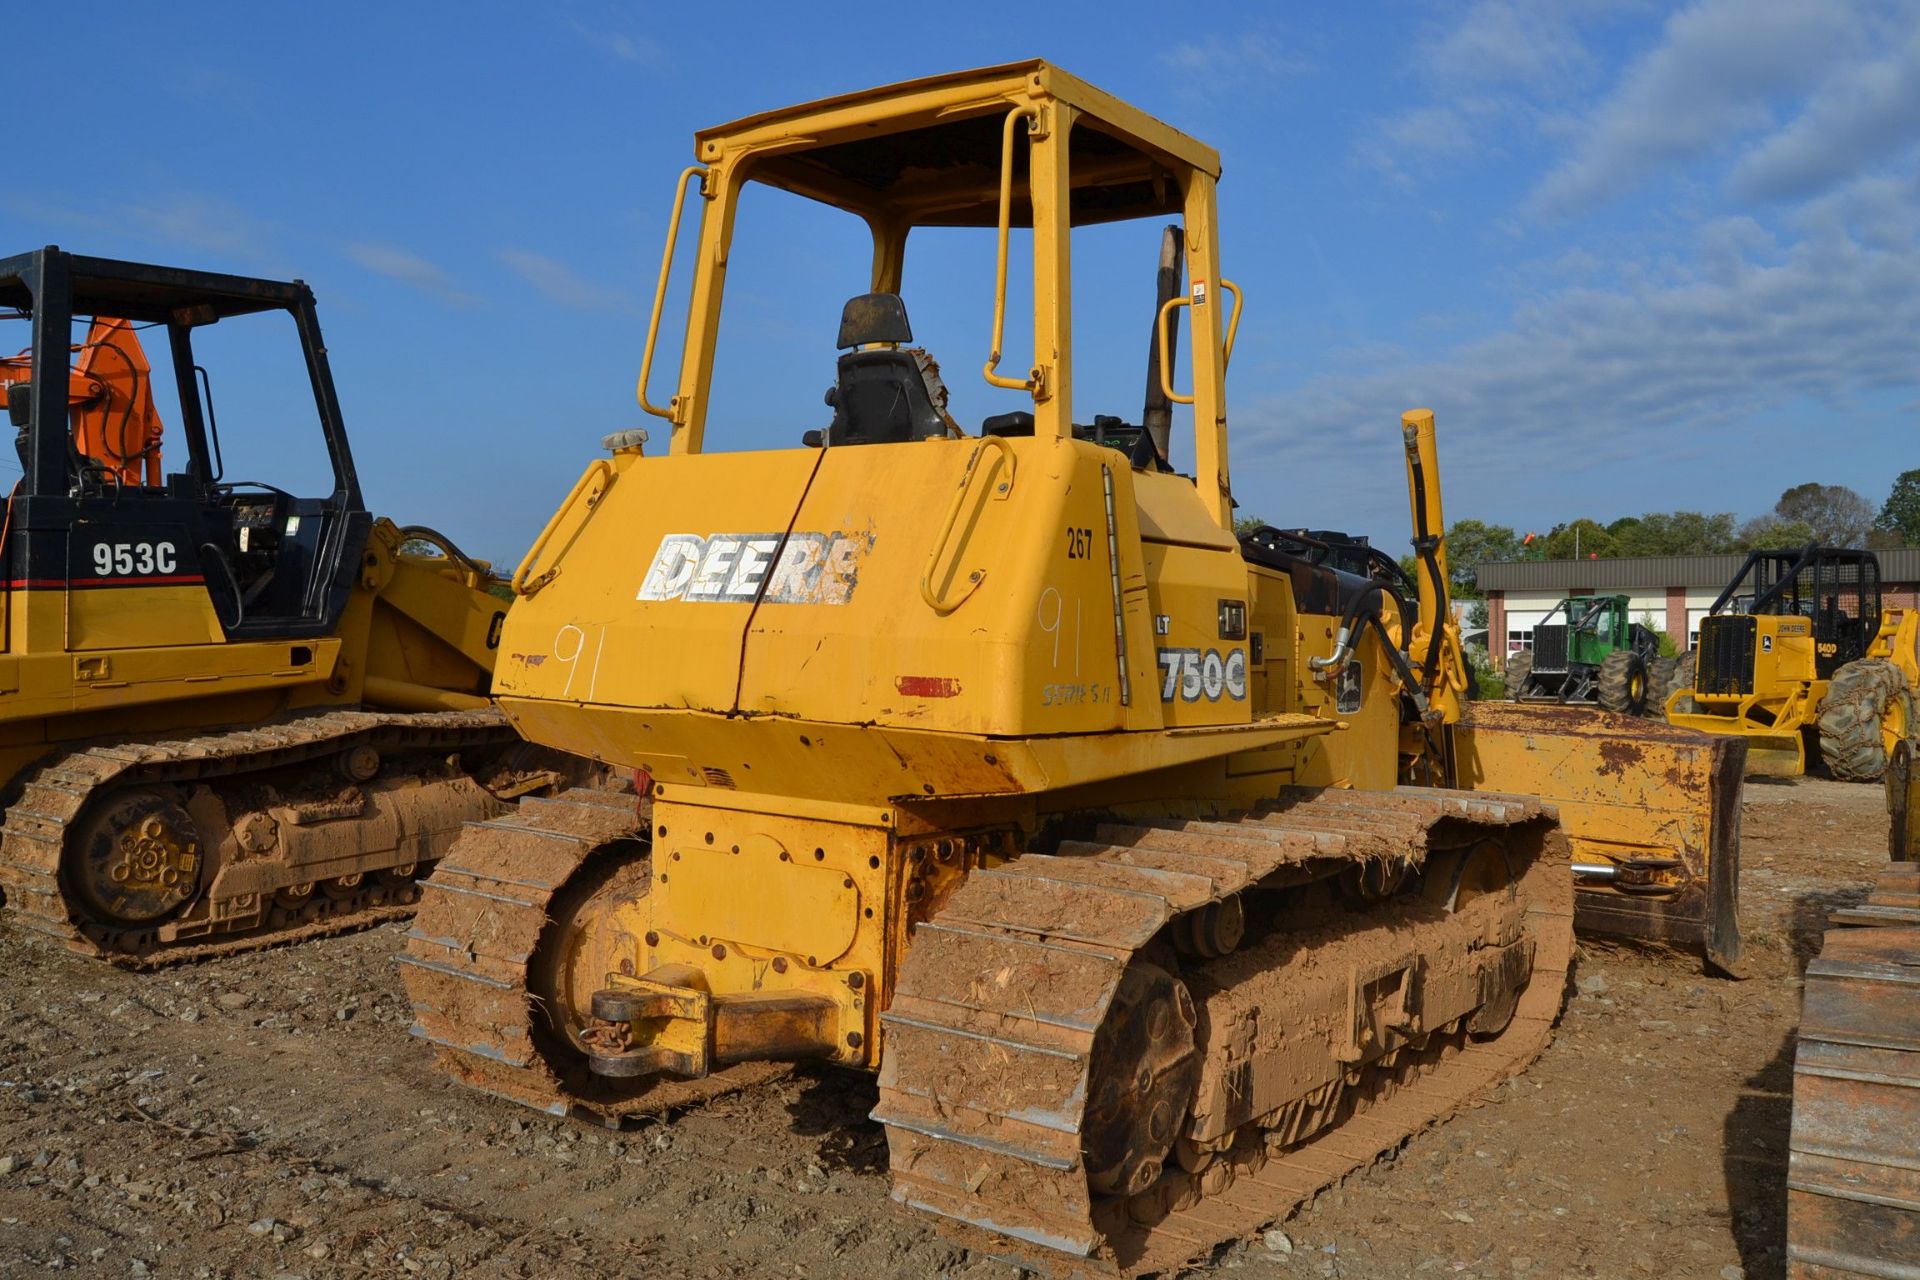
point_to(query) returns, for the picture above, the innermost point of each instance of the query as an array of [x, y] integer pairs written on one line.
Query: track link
[[987, 1083], [1853, 1186], [55, 795], [480, 923]]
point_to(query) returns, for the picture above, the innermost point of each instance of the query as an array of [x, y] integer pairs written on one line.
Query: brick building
[[1674, 591]]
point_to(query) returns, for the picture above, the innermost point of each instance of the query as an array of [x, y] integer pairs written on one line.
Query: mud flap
[[1653, 811]]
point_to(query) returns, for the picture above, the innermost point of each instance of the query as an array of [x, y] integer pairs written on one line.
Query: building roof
[[1646, 572]]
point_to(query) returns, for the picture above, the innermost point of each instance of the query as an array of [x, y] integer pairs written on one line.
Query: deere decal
[[791, 568]]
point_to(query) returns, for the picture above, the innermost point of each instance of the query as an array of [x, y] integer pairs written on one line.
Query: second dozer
[[230, 714], [1161, 875]]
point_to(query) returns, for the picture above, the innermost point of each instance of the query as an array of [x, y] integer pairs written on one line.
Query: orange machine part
[[110, 395]]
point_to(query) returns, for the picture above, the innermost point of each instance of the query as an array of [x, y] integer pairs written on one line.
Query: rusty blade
[[1627, 790]]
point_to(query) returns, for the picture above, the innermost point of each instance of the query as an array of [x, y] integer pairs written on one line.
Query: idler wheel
[[1142, 1076], [136, 860]]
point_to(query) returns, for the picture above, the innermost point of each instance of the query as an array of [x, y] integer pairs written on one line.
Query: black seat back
[[880, 396]]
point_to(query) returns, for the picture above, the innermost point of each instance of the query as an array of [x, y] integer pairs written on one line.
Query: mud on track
[[268, 1115]]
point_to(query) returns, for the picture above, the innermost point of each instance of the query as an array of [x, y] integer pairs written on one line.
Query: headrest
[[873, 317]]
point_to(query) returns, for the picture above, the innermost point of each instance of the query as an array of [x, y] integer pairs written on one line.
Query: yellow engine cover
[[1033, 591]]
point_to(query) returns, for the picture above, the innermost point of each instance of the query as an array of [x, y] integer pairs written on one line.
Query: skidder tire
[[1623, 683], [1519, 667], [1683, 667], [1868, 707], [1660, 676]]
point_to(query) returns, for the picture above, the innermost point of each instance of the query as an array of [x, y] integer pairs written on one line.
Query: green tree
[[1673, 533], [1244, 525], [1579, 539], [1900, 513], [1472, 543], [1838, 516], [1884, 540], [1669, 647], [1771, 533]]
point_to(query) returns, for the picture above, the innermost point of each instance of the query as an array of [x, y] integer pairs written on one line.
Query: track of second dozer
[[38, 826]]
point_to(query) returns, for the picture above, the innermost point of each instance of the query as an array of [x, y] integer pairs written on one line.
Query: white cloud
[[562, 284], [1509, 41], [409, 269], [638, 50], [1865, 114], [181, 220], [1491, 69], [1719, 69], [1423, 140], [1247, 63], [1638, 372]]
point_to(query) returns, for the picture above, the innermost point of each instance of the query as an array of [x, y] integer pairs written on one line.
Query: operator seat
[[882, 394]]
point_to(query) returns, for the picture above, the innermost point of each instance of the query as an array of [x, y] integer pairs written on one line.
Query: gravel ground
[[269, 1116]]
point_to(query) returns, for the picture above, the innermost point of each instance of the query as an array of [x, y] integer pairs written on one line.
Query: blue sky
[[1636, 256]]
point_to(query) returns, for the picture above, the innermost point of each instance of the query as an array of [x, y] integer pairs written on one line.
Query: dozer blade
[[1770, 754], [1775, 755], [1653, 812]]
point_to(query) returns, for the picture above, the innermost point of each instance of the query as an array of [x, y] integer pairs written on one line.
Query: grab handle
[[927, 592], [1161, 332], [1032, 116], [660, 293], [523, 584]]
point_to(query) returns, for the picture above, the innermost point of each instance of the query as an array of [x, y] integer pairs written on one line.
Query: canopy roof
[[927, 152], [143, 292]]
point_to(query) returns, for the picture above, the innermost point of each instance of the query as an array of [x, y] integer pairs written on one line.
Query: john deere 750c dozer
[[149, 608], [1157, 874]]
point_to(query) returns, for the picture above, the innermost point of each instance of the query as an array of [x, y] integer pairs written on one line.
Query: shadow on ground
[[1755, 1138], [833, 1106]]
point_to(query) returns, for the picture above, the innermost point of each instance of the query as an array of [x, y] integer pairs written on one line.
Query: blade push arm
[[1435, 642]]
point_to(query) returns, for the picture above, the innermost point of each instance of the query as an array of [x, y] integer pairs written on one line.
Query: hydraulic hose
[[1343, 638], [446, 545]]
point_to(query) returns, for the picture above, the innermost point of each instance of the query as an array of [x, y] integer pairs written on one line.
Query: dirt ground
[[269, 1116]]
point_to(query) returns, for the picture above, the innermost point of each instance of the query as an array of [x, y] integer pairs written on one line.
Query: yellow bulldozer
[[1801, 656], [1160, 874], [230, 713]]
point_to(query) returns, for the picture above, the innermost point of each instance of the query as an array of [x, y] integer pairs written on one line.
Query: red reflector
[[927, 686]]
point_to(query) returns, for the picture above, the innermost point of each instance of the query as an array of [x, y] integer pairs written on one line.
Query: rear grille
[[1550, 648], [1725, 664]]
